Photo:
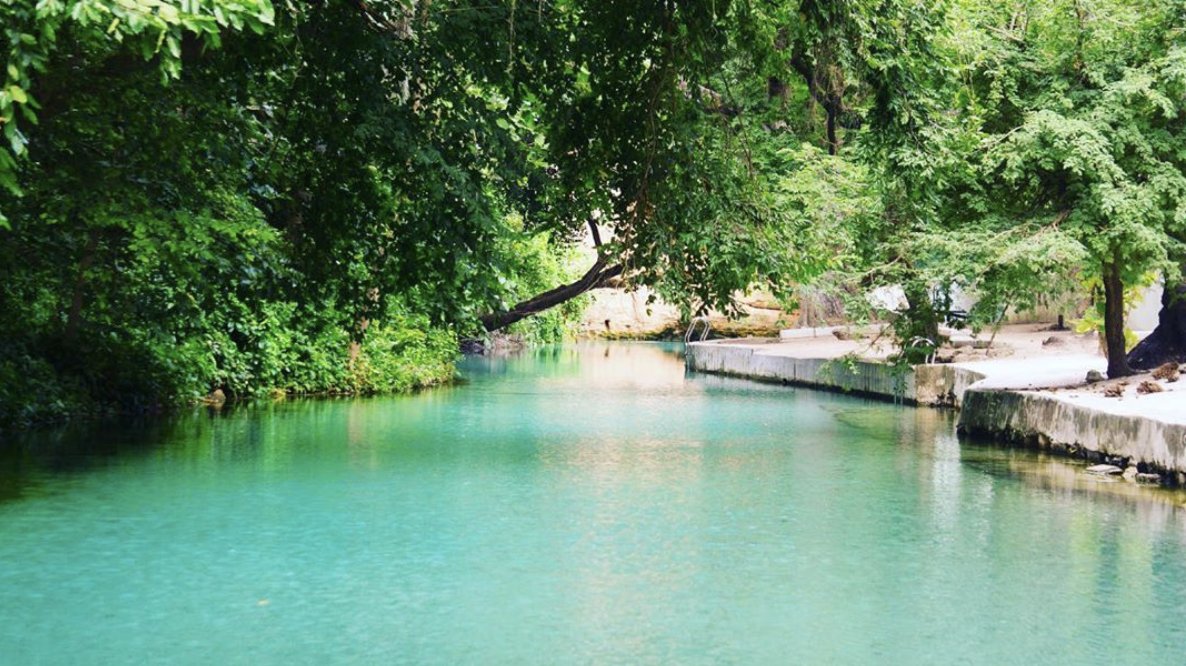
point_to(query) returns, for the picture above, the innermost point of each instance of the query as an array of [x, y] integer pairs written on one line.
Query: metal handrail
[[692, 329], [916, 341]]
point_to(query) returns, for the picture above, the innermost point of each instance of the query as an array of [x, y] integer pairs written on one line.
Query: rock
[[842, 334], [473, 347], [1167, 342], [1114, 391], [1148, 386], [1149, 478], [1104, 470], [216, 398], [1053, 340], [1130, 472], [1167, 371], [1094, 376]]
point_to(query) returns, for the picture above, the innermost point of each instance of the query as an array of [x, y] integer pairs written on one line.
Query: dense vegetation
[[258, 196]]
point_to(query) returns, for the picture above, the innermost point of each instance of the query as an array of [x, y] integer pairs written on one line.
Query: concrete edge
[[1020, 417], [931, 385], [1043, 421]]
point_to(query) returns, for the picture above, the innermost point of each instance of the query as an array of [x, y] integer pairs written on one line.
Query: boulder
[[1167, 342], [1104, 470], [1094, 376]]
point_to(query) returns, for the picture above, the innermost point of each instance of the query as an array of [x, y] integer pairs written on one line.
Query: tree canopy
[[248, 195]]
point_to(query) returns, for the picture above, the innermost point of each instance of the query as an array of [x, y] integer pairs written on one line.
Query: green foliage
[[403, 353], [1050, 148], [534, 265], [152, 30], [321, 196]]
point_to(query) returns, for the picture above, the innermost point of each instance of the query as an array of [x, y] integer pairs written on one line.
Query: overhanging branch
[[598, 275]]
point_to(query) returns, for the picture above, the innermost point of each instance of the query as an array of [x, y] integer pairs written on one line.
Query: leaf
[[17, 94]]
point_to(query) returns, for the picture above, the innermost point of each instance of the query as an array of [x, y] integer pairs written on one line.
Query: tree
[[1050, 149], [1084, 131]]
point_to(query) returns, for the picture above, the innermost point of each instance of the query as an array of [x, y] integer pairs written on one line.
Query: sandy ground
[[1025, 357]]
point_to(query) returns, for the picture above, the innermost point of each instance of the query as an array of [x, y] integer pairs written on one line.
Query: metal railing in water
[[690, 335], [920, 342]]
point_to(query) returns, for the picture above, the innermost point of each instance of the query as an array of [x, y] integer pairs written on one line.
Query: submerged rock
[[1104, 470]]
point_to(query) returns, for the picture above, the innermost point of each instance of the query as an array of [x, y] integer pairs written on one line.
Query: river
[[589, 503]]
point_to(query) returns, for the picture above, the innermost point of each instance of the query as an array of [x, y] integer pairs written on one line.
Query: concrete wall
[[1046, 421], [1036, 419], [938, 385]]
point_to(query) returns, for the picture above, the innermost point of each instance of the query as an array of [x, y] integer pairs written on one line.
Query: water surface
[[585, 504]]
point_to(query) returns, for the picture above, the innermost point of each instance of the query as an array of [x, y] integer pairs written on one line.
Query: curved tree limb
[[598, 275]]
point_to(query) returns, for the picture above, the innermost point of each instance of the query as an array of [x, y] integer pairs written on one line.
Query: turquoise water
[[589, 504]]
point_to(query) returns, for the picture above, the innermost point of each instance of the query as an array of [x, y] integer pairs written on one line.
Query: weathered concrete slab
[[1051, 422], [993, 399], [936, 385]]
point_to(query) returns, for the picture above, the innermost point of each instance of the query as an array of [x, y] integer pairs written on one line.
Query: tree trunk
[[833, 110], [1114, 320], [824, 94], [1167, 342], [921, 322], [597, 276]]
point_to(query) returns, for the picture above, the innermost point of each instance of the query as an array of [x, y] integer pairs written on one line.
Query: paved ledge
[[933, 385], [1058, 423]]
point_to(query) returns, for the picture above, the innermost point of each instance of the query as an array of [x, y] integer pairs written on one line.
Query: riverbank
[[1030, 388]]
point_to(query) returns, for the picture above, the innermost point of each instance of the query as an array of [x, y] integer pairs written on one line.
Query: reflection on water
[[589, 503]]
